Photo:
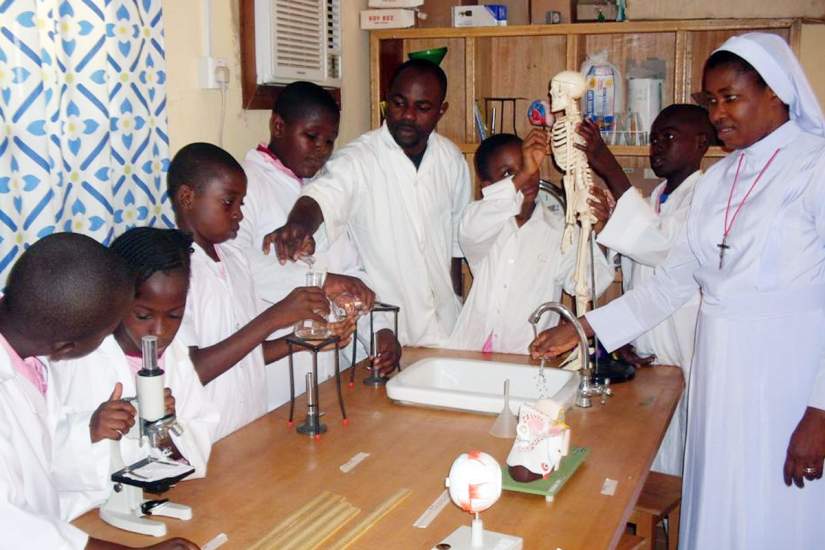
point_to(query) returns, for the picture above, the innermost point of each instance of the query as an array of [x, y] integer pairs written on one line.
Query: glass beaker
[[634, 133], [312, 329]]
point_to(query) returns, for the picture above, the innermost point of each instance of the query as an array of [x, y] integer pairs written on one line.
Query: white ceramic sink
[[477, 386]]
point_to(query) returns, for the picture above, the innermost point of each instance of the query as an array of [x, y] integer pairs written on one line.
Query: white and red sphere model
[[474, 481]]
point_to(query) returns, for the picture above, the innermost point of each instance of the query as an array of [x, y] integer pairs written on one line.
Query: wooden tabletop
[[262, 473]]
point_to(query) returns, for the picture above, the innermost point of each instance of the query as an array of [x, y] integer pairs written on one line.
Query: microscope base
[[123, 510], [130, 522]]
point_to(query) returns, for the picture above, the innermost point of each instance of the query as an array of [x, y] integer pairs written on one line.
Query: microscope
[[126, 508]]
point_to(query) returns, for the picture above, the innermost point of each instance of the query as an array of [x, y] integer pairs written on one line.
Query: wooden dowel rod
[[307, 520], [374, 517], [294, 518], [318, 540], [326, 525]]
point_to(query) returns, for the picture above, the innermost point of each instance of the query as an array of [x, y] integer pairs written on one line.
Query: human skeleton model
[[565, 89]]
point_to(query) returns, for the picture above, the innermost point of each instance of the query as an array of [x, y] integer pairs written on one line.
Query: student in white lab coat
[[226, 335], [399, 191], [513, 246], [160, 260], [754, 244], [644, 230], [61, 314], [303, 129]]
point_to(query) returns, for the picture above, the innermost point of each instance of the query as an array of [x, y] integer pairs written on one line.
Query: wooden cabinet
[[519, 61]]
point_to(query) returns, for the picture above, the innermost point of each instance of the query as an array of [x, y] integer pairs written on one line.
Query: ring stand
[[312, 425], [374, 379]]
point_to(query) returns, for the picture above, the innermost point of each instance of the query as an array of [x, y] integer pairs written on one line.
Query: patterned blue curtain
[[83, 140]]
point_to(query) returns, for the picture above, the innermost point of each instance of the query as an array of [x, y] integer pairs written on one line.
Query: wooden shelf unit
[[519, 61]]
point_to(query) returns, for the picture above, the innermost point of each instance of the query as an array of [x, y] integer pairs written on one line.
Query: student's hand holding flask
[[303, 303], [336, 284]]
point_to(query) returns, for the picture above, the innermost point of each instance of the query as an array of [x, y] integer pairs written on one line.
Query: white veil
[[774, 60]]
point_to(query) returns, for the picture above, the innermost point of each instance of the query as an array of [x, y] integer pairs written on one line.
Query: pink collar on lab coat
[[30, 368], [275, 161]]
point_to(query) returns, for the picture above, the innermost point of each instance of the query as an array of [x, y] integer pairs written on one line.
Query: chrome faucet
[[587, 385]]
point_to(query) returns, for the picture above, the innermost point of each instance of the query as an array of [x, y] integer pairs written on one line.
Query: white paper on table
[[350, 464], [609, 486], [432, 511], [215, 543]]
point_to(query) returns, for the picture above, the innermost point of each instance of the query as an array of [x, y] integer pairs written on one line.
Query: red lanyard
[[727, 227]]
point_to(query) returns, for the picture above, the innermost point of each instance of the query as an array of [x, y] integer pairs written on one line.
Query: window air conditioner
[[298, 40]]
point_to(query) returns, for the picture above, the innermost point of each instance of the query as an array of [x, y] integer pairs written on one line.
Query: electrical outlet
[[208, 68], [650, 174]]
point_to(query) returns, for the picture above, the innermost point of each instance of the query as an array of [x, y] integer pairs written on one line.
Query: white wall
[[194, 113], [810, 50]]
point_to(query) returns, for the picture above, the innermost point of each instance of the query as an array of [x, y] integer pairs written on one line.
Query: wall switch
[[207, 70], [650, 174]]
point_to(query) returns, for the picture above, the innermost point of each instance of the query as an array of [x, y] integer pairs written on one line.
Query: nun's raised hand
[[806, 450]]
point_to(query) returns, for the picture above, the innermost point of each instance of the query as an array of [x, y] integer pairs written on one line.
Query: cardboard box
[[591, 11], [518, 11], [540, 8], [439, 13], [387, 19], [491, 15], [395, 3]]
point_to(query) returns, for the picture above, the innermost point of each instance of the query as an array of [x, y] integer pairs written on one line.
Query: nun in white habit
[[754, 245]]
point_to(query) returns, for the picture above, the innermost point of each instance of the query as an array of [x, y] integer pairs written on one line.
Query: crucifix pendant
[[722, 247]]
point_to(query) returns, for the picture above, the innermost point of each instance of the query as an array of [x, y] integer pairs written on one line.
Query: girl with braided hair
[[159, 259]]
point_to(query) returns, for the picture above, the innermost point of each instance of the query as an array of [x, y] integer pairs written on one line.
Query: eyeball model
[[475, 481]]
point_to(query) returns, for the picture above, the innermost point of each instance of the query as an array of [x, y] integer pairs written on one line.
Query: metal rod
[[291, 382], [354, 354], [338, 382], [593, 298]]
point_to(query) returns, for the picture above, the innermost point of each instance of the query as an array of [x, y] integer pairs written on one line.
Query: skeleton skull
[[566, 86]]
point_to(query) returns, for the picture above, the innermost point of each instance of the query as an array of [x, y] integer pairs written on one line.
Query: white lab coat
[[644, 238], [82, 469], [758, 361], [29, 502], [404, 223], [221, 301], [270, 195], [514, 270]]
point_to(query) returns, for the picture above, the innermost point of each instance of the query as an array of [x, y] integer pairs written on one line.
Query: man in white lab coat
[[643, 230], [60, 314], [513, 245], [399, 191], [303, 129]]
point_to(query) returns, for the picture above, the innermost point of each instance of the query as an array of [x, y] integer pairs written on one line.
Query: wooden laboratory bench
[[262, 473]]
